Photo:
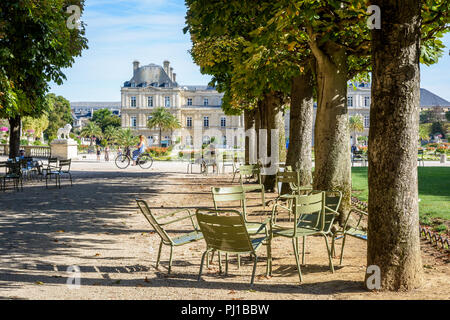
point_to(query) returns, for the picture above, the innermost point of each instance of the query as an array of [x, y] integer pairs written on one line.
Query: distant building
[[83, 111], [359, 100], [154, 86]]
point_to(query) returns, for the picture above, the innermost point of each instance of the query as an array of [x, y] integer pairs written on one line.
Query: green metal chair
[[62, 169], [235, 194], [166, 239], [311, 217], [228, 161], [231, 195], [225, 231], [4, 165], [13, 172], [251, 171], [420, 157], [356, 231]]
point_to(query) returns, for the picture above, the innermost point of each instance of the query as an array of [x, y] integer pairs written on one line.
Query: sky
[[151, 31]]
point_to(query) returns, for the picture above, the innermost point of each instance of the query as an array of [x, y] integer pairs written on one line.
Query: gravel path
[[96, 227]]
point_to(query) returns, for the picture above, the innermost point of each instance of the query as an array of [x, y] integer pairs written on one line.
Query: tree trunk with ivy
[[393, 225], [300, 126]]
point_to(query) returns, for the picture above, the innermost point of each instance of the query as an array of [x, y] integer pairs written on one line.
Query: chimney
[[174, 75], [166, 67], [135, 66], [171, 74]]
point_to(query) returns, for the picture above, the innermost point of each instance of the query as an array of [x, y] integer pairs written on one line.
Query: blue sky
[[150, 31]]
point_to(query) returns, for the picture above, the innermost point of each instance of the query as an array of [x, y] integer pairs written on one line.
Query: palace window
[[133, 122], [189, 122], [205, 102], [366, 101], [206, 121], [224, 140], [189, 101], [223, 122], [206, 140], [189, 141], [150, 101], [350, 101], [366, 122], [167, 101], [133, 102]]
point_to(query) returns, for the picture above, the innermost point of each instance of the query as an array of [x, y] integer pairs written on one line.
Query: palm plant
[[356, 125], [91, 131], [174, 124], [126, 138], [161, 119], [111, 134]]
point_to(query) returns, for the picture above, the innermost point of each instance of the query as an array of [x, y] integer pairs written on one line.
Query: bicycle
[[144, 160]]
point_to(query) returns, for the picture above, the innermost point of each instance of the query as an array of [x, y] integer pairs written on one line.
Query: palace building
[[198, 107]]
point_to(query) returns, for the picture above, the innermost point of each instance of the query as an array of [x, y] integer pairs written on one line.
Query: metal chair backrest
[[332, 201], [309, 211], [246, 171], [143, 206], [224, 230], [52, 163], [229, 195], [292, 178], [14, 168], [64, 165], [4, 164]]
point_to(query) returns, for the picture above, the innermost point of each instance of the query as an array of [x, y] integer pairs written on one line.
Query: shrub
[[37, 143], [158, 151], [23, 142]]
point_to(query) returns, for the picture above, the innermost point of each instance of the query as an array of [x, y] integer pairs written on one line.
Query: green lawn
[[434, 190]]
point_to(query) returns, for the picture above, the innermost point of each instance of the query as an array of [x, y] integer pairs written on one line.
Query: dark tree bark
[[393, 225], [249, 124], [14, 137], [331, 133], [271, 117], [300, 126]]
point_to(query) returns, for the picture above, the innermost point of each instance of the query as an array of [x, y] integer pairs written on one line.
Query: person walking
[[98, 153], [107, 153]]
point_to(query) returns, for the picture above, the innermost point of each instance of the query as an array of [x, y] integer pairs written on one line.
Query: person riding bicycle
[[140, 150]]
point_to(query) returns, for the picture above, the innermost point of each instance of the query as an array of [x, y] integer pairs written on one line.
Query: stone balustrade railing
[[30, 151]]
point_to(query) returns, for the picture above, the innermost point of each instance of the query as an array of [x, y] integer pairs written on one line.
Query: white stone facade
[[194, 106]]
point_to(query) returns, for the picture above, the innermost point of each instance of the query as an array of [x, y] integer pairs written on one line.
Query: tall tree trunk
[[393, 226], [250, 140], [160, 137], [331, 132], [14, 137], [271, 116], [300, 126]]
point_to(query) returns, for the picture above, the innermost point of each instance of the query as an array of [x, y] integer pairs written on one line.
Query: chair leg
[[201, 264], [170, 259], [263, 198], [296, 259], [303, 250], [159, 254], [342, 249], [329, 253], [220, 261], [254, 270], [239, 261], [269, 259], [226, 263]]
